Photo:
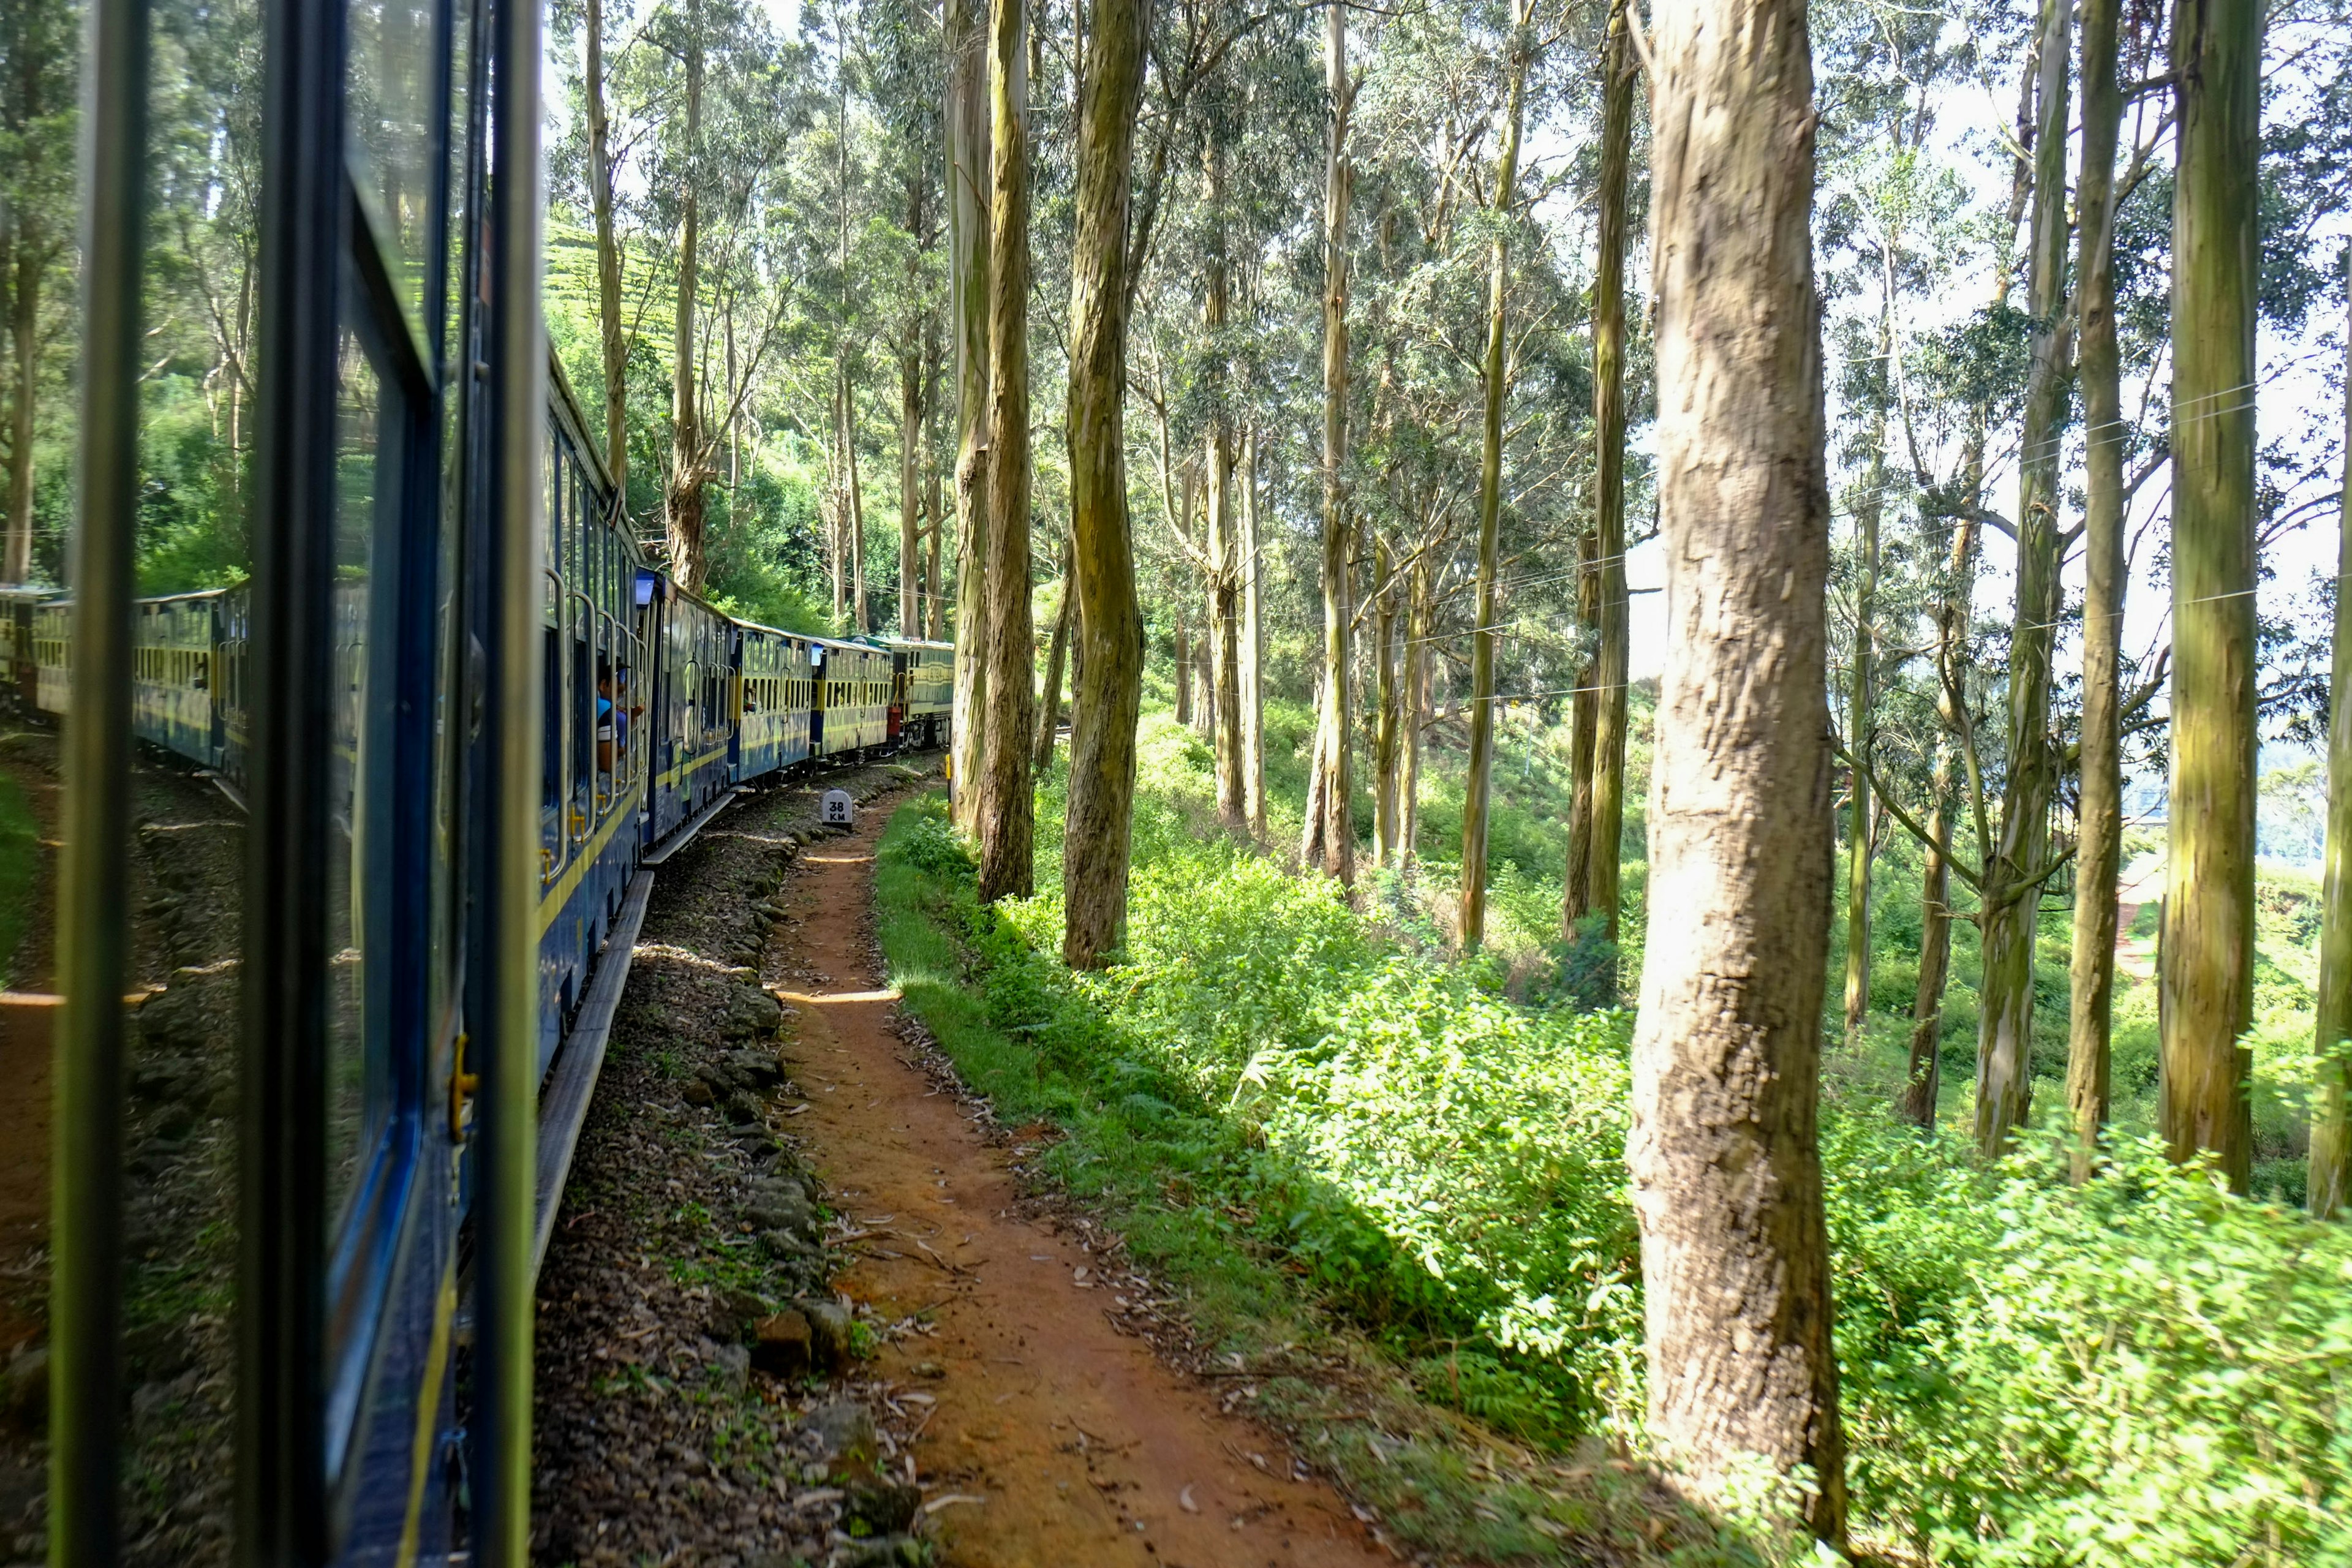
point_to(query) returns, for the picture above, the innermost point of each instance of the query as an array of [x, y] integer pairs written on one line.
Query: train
[[467, 714]]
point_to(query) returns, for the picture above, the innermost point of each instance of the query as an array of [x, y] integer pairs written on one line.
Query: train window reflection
[[395, 53], [358, 437]]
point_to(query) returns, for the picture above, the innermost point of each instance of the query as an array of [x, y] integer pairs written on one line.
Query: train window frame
[[383, 294]]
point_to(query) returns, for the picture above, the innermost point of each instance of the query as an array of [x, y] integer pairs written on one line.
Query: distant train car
[[922, 690], [853, 707], [176, 644], [693, 728], [771, 701], [19, 671], [53, 656]]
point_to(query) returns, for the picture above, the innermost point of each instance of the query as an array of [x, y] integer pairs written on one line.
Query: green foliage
[[2140, 1370]]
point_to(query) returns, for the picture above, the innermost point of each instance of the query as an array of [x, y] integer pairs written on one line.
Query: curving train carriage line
[[655, 711]]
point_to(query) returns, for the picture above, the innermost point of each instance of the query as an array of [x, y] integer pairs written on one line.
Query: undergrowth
[[1295, 1115]]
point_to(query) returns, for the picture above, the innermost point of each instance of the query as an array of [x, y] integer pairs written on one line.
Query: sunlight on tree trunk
[[2020, 862], [1724, 1150], [1007, 808], [2331, 1117], [968, 177], [1479, 784], [2100, 834], [24, 338], [2207, 969]]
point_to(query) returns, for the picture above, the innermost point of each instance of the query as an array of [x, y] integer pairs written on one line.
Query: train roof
[[912, 642]]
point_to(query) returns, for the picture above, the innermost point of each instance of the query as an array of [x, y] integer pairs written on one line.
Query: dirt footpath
[[1050, 1439]]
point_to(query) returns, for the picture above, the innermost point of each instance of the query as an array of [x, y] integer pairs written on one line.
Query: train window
[[551, 794], [351, 1108], [394, 59]]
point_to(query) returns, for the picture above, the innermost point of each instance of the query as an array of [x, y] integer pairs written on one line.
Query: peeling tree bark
[[1724, 1149], [2207, 967]]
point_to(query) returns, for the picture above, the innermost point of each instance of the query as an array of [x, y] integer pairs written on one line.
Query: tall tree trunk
[[25, 328], [1253, 647], [935, 516], [1183, 666], [857, 511], [1576, 881], [1418, 619], [2013, 881], [686, 465], [969, 250], [1384, 743], [1614, 666], [1225, 547], [1724, 1150], [608, 260], [1049, 715], [911, 433], [1108, 695], [1862, 727], [2331, 1111], [1923, 1084], [2208, 968], [1337, 828], [2100, 832], [1007, 807], [1318, 786], [1475, 792]]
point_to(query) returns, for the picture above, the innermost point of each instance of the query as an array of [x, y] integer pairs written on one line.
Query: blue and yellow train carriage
[[852, 699], [594, 757], [175, 667], [771, 701], [924, 691]]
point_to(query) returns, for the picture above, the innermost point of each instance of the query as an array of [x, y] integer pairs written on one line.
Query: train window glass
[[394, 59], [358, 436], [550, 800]]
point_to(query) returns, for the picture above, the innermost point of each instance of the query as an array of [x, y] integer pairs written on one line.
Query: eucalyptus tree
[[970, 253], [1007, 810], [1611, 669], [1519, 55], [2206, 967], [1724, 1150], [2331, 1120], [2022, 859], [1109, 695]]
